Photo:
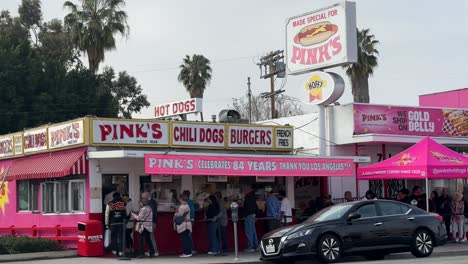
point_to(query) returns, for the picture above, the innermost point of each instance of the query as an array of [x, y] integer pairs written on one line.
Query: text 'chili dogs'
[[315, 33]]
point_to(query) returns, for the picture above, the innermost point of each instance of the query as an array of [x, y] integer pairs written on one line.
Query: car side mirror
[[354, 216]]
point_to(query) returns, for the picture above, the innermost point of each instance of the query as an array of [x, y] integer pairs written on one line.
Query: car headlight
[[300, 234]]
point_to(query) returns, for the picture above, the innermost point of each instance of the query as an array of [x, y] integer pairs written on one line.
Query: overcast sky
[[424, 45]]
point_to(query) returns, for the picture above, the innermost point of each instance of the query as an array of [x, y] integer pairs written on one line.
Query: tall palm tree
[[195, 75], [92, 25], [360, 72]]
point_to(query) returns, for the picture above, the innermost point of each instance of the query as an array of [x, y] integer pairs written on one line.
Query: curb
[[73, 254], [38, 256]]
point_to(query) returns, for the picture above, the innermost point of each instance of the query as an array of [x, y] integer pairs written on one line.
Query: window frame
[[59, 184], [70, 199], [32, 198]]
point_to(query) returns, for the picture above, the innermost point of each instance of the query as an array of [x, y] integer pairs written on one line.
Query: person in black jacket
[[116, 212], [445, 208], [250, 211], [211, 217]]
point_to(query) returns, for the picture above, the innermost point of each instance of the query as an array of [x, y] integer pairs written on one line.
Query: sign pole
[[322, 136], [427, 193]]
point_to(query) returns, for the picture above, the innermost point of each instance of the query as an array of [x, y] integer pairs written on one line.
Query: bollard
[[235, 219], [124, 241]]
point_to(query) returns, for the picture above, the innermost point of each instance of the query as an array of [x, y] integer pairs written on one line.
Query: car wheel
[[329, 249], [374, 256], [423, 244]]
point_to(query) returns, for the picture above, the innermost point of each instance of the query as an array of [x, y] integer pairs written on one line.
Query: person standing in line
[[191, 205], [286, 211], [445, 209], [433, 199], [403, 196], [418, 198], [348, 196], [183, 226], [309, 211], [131, 208], [250, 209], [273, 211], [211, 215], [146, 196], [116, 212], [370, 195], [458, 218], [222, 222], [144, 227]]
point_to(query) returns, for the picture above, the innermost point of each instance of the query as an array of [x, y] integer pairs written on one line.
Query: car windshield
[[330, 213]]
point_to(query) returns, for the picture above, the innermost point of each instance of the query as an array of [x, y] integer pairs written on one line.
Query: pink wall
[[449, 99], [28, 219]]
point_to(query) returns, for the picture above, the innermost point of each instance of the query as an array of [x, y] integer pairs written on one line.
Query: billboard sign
[[193, 105], [321, 39], [35, 140], [246, 166], [416, 121], [66, 134], [130, 132], [324, 88]]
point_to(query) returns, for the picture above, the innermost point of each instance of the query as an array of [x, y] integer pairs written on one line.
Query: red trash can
[[90, 239]]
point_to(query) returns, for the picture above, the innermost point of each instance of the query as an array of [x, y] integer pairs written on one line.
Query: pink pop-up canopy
[[425, 160]]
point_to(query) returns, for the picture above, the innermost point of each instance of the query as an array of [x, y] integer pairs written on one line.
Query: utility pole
[[272, 65], [249, 94]]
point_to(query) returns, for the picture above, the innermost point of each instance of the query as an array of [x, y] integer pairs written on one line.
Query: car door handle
[[410, 218], [378, 224]]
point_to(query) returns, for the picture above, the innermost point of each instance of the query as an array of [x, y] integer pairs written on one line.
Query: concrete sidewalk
[[244, 258]]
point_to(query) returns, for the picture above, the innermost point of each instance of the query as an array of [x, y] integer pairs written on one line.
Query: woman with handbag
[[183, 226], [144, 227]]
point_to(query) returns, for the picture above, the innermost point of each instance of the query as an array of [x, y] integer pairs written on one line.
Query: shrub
[[22, 244]]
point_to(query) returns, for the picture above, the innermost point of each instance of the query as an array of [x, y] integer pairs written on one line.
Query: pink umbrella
[[424, 160]]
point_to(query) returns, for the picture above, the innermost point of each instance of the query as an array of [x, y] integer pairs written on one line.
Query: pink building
[[452, 99]]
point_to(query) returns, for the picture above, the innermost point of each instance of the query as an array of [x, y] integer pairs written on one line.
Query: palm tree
[[367, 60], [195, 75], [92, 27]]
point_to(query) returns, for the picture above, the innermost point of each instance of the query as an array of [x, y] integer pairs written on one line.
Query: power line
[[212, 63]]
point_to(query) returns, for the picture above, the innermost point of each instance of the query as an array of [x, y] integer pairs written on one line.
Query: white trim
[[402, 139]]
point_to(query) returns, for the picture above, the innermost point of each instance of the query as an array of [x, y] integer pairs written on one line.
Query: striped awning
[[49, 165]]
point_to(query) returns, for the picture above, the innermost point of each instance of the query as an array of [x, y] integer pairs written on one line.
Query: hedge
[[23, 244]]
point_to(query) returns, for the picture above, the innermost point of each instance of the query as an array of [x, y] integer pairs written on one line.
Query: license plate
[[270, 249]]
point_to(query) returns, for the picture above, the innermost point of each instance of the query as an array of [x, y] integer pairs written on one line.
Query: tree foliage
[[261, 107], [360, 72], [195, 74], [45, 81], [92, 25]]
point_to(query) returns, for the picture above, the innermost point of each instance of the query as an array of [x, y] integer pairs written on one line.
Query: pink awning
[[49, 165], [426, 159]]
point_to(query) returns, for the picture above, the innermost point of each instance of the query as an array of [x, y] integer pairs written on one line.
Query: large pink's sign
[[380, 119], [247, 166]]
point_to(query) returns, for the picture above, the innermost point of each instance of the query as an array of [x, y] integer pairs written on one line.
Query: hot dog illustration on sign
[[315, 34]]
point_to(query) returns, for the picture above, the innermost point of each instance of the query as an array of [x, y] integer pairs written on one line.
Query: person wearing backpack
[[183, 226]]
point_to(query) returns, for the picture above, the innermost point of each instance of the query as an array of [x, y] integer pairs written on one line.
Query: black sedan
[[372, 228]]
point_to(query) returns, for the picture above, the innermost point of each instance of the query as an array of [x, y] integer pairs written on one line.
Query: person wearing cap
[[116, 212]]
